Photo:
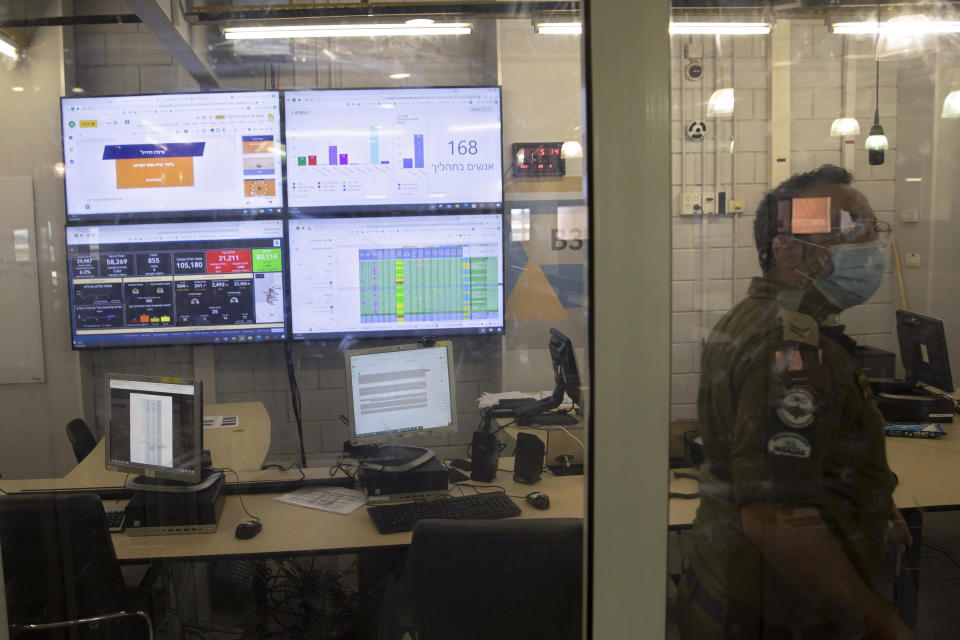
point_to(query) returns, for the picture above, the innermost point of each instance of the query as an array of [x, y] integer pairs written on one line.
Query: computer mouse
[[247, 529], [455, 475], [539, 499]]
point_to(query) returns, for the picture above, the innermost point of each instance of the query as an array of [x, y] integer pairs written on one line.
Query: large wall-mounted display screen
[[398, 150], [396, 275], [187, 283], [190, 154]]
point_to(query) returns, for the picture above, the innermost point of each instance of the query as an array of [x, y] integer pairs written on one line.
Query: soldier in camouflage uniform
[[796, 492]]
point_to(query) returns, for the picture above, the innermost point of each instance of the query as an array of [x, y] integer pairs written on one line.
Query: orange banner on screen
[[258, 144], [154, 172]]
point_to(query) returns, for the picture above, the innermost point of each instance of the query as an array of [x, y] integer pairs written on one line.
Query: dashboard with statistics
[[265, 215], [149, 284]]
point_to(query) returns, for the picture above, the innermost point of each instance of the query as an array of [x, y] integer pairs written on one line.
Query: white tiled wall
[[714, 258]]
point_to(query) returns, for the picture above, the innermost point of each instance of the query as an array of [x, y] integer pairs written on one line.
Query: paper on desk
[[489, 399], [333, 499]]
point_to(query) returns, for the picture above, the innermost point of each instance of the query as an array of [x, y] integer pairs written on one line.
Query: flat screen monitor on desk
[[396, 392], [187, 283], [406, 149], [923, 348], [187, 155], [396, 276], [154, 427]]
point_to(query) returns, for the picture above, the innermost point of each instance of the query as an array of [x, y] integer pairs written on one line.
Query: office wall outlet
[[913, 260], [910, 215], [736, 206], [691, 203], [709, 204]]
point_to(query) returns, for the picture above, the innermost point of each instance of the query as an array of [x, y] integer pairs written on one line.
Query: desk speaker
[[528, 460], [484, 456]]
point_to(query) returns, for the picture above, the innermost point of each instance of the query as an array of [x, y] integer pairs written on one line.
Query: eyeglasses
[[862, 230], [866, 228]]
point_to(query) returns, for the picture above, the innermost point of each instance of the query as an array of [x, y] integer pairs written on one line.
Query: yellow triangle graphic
[[533, 298]]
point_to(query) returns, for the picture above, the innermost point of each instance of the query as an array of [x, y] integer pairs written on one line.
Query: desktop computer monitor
[[154, 427], [565, 373], [923, 349], [385, 276], [405, 149], [185, 154], [398, 391], [188, 283]]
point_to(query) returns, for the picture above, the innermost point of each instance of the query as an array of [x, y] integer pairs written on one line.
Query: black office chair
[[61, 574], [81, 438], [504, 579]]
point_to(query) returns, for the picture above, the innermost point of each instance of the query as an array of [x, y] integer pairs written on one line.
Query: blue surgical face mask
[[857, 273]]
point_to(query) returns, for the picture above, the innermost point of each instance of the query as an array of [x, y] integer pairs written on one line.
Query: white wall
[[34, 415], [713, 257]]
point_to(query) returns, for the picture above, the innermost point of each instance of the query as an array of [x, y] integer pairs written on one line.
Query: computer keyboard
[[392, 518]]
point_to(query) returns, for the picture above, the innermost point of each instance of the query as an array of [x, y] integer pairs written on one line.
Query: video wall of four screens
[[222, 217]]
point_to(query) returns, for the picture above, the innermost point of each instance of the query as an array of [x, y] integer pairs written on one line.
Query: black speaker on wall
[[528, 459]]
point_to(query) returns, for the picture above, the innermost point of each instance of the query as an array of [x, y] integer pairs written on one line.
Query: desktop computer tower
[[426, 481], [162, 513]]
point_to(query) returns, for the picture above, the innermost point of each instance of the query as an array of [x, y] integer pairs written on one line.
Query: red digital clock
[[538, 159]]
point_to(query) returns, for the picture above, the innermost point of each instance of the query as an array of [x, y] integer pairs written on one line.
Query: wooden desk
[[242, 448], [290, 529]]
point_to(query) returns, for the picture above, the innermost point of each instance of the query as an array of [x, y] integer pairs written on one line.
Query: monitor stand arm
[[539, 411]]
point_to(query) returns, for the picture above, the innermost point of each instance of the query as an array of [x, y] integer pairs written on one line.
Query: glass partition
[[195, 206], [812, 221]]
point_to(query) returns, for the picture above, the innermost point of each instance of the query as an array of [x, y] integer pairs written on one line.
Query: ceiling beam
[[485, 8], [153, 16]]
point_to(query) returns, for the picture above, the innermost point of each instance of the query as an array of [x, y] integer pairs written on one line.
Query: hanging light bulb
[[845, 126], [720, 103], [951, 105], [876, 142]]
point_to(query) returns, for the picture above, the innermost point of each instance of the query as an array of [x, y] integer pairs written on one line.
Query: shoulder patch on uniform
[[799, 327], [789, 444], [796, 408]]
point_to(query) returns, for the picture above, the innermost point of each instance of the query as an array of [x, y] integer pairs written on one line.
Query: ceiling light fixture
[[559, 28], [399, 76], [347, 30], [8, 50], [907, 25], [951, 105], [876, 143], [720, 28], [845, 125], [721, 103]]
